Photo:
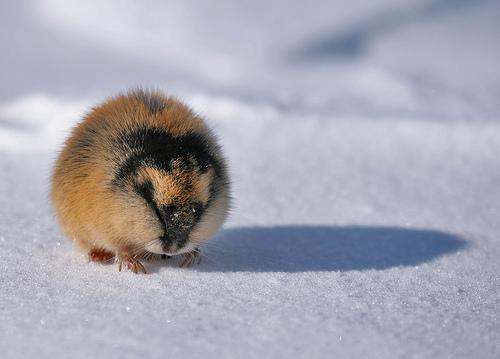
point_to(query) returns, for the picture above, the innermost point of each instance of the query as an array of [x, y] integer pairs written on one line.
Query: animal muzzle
[[174, 239]]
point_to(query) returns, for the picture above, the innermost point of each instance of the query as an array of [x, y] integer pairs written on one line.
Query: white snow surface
[[363, 139]]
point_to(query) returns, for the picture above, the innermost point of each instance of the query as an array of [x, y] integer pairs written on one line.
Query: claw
[[136, 267], [131, 263], [191, 258], [153, 257]]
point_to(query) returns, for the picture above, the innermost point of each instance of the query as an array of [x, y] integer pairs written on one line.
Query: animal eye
[[196, 208], [170, 211]]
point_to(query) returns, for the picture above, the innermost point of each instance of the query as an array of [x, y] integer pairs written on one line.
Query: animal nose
[[172, 241]]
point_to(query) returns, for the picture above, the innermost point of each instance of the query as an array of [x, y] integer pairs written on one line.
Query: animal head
[[175, 190]]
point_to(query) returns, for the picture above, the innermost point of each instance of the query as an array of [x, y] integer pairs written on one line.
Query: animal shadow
[[324, 248]]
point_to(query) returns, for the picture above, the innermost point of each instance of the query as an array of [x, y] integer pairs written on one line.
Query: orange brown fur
[[101, 219]]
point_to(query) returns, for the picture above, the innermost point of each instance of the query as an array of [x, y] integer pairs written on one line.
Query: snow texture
[[364, 144]]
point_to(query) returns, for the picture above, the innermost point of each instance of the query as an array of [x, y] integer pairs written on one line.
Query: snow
[[364, 146]]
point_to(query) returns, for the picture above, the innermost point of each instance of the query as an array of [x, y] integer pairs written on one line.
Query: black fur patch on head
[[181, 216], [155, 102], [88, 138], [146, 191], [198, 211], [154, 147], [81, 152]]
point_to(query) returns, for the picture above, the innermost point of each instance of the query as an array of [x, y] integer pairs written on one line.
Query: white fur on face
[[156, 247]]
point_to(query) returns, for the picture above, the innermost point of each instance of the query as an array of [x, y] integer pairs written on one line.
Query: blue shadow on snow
[[353, 41], [324, 248]]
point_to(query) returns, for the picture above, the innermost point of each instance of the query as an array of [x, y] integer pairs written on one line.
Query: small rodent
[[141, 176]]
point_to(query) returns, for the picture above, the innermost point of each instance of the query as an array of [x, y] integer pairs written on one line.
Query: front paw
[[125, 260], [191, 258]]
